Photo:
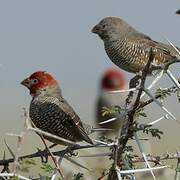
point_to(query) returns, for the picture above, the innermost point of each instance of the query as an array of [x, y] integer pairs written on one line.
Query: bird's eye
[[34, 81]]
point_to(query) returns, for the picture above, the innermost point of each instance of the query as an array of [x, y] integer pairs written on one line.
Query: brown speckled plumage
[[128, 48], [50, 112]]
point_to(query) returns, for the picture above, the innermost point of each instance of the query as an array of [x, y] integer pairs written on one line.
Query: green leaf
[[47, 168], [163, 93], [139, 113], [25, 164], [153, 131], [108, 111], [14, 178]]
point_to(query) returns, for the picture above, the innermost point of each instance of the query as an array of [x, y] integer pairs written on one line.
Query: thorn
[[4, 155], [158, 120], [143, 154], [157, 78], [142, 170], [75, 162], [104, 143], [160, 105], [174, 47], [173, 79], [97, 155], [101, 129], [125, 90], [15, 135], [109, 120], [9, 149]]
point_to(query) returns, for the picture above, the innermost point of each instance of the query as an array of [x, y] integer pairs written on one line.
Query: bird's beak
[[26, 83], [96, 29]]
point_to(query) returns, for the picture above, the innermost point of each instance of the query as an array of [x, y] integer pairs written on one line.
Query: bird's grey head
[[111, 27]]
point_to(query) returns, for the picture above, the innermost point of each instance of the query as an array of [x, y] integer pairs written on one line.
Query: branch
[[45, 153], [132, 111], [157, 159], [172, 89]]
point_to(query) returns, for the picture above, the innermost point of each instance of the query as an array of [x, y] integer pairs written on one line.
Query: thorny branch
[[127, 126], [52, 156], [136, 159], [29, 126], [118, 146], [19, 144], [127, 130], [172, 89], [45, 153], [126, 133], [157, 159]]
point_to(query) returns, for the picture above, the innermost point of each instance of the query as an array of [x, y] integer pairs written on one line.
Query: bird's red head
[[113, 79], [39, 80]]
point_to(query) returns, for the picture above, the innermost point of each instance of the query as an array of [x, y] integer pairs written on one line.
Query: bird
[[130, 49], [178, 12], [112, 79], [50, 112]]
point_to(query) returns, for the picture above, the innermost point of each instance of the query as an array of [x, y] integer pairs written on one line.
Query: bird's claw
[[69, 152], [43, 155], [134, 82]]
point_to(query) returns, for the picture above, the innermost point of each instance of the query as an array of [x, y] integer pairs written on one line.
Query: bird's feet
[[70, 152], [134, 82], [45, 153]]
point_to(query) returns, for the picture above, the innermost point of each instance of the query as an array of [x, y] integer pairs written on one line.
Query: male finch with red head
[[112, 80], [50, 112]]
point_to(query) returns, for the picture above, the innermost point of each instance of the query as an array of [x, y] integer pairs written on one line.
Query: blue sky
[[56, 36]]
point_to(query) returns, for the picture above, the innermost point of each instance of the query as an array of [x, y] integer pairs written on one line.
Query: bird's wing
[[57, 117], [74, 120], [146, 42]]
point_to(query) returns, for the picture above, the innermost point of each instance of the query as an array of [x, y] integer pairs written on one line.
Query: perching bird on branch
[[130, 49], [50, 112], [112, 80], [178, 12]]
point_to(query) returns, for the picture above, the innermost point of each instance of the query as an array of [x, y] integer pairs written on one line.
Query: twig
[[12, 175], [142, 170], [177, 175], [173, 79], [123, 91], [157, 159], [19, 144], [160, 105], [51, 135], [159, 119], [46, 153], [132, 111], [154, 82], [124, 135], [143, 154], [52, 156], [172, 89]]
